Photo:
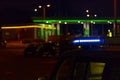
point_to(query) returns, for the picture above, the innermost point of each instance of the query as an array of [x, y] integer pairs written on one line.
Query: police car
[[87, 63]]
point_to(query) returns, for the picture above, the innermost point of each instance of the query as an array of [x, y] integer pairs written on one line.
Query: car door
[[75, 69], [112, 71]]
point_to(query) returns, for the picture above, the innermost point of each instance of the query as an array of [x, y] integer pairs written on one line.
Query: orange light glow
[[29, 26]]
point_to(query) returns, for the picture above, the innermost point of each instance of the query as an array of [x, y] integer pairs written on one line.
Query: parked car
[[48, 49], [40, 49], [30, 50]]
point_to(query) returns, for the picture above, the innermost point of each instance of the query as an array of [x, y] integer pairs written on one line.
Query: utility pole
[[115, 19], [44, 13]]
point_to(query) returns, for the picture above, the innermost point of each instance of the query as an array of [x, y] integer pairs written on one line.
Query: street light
[[44, 17], [35, 10], [39, 6], [87, 11], [89, 15], [95, 15], [44, 9]]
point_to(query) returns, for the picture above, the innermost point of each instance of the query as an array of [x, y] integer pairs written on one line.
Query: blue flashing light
[[88, 41]]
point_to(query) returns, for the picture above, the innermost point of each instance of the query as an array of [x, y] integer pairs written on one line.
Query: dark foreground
[[14, 66]]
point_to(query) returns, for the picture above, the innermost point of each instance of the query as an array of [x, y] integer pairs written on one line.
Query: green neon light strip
[[73, 21]]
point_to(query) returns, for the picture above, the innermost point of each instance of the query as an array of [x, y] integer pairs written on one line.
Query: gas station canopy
[[76, 21]]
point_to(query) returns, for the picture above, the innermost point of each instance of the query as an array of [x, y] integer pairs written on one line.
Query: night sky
[[21, 11]]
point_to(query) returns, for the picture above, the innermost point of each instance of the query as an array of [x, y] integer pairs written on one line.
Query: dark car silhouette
[[40, 49], [90, 64], [30, 49], [47, 49]]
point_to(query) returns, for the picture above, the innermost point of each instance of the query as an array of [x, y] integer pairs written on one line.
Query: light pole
[[44, 32], [89, 26], [115, 17], [89, 15], [44, 10], [44, 17]]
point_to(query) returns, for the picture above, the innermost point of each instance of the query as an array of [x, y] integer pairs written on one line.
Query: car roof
[[93, 54]]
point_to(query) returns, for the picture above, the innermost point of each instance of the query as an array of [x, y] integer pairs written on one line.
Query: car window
[[96, 69], [66, 69], [79, 70]]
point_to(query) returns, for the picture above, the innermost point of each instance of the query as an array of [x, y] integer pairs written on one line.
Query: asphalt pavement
[[14, 66]]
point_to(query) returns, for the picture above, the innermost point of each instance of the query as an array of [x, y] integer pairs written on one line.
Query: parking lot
[[14, 66]]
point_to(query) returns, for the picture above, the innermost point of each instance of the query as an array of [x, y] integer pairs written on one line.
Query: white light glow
[[95, 15], [39, 6], [35, 10], [48, 5], [87, 11], [47, 22], [81, 22], [65, 22], [88, 15], [59, 21], [76, 41], [93, 40], [78, 21]]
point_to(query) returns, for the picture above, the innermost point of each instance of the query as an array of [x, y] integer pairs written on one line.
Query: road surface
[[14, 66]]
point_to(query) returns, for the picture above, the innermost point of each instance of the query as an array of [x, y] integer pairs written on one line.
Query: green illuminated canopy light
[[75, 21]]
